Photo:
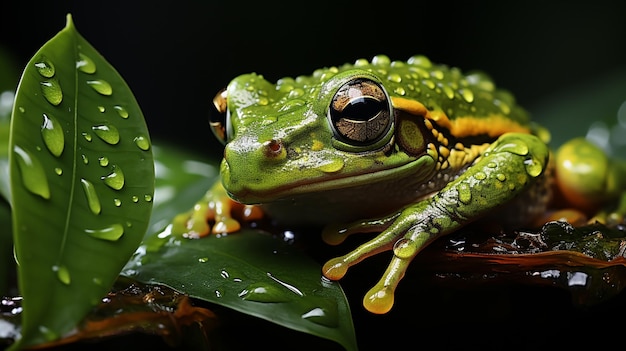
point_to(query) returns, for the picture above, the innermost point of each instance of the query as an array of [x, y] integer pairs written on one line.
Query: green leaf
[[197, 267], [251, 272], [82, 181]]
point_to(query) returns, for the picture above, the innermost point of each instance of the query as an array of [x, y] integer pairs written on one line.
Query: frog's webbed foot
[[507, 168], [216, 213], [591, 181]]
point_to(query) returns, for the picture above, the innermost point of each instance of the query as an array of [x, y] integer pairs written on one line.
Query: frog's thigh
[[507, 168]]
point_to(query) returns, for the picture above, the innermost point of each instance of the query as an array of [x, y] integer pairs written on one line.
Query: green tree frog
[[410, 150]]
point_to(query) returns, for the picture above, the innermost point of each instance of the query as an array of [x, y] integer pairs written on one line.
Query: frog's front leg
[[218, 208], [506, 169]]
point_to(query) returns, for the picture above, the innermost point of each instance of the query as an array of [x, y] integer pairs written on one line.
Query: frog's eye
[[360, 113], [219, 117]]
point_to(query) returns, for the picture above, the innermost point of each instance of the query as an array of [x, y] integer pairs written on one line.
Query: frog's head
[[315, 134], [351, 134]]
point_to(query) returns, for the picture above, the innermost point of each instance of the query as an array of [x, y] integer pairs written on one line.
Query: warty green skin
[[459, 149]]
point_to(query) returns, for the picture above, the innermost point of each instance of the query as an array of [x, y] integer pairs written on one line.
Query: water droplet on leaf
[[51, 90], [85, 64], [45, 67], [32, 173], [107, 132], [262, 292], [115, 179], [321, 311], [142, 142], [47, 333], [111, 233], [92, 196], [52, 134], [62, 274], [101, 86], [121, 111], [103, 161]]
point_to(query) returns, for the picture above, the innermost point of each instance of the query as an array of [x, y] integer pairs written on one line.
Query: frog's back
[[467, 104]]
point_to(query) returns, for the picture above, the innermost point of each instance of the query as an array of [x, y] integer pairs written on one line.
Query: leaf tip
[[69, 22]]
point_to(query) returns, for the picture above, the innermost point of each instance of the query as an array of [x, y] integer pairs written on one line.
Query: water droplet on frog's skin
[[533, 168], [85, 64], [467, 95], [121, 111], [142, 142], [465, 193], [62, 274], [333, 166], [404, 248], [45, 67], [110, 233], [108, 133], [32, 173], [102, 87], [51, 90], [103, 161], [52, 135], [115, 179], [262, 292], [92, 196], [480, 175]]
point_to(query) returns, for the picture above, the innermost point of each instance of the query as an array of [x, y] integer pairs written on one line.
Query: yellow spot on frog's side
[[317, 145]]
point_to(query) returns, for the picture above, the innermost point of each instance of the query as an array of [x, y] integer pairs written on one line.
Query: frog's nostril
[[274, 149]]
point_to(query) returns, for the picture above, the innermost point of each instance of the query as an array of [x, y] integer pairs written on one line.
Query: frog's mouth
[[246, 189]]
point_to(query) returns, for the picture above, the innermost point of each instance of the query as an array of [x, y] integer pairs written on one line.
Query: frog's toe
[[380, 298], [335, 268], [225, 225]]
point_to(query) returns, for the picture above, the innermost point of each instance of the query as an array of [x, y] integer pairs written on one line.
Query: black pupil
[[363, 108]]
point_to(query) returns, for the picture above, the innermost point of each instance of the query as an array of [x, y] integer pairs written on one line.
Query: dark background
[[176, 55]]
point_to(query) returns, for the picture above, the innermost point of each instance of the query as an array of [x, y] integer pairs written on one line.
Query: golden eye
[[218, 117], [360, 112]]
